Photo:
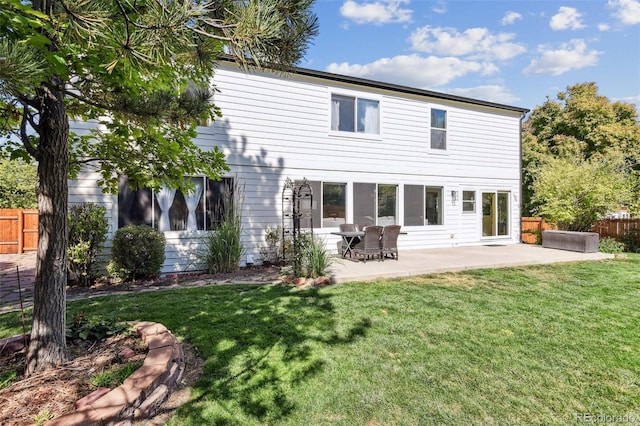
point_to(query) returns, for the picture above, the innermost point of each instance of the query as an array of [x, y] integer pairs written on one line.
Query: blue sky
[[511, 52]]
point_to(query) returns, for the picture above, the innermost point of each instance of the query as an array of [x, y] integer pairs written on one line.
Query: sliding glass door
[[495, 214]]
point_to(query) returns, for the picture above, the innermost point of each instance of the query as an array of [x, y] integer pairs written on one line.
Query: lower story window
[[334, 204], [375, 204], [423, 205], [468, 201], [329, 206], [200, 208]]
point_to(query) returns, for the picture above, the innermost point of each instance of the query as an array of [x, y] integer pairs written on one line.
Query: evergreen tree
[[139, 69]]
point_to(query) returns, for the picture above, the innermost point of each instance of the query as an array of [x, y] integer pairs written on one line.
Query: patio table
[[348, 237]]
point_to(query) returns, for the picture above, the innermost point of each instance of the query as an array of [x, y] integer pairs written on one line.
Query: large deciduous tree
[[581, 157], [17, 185], [141, 71]]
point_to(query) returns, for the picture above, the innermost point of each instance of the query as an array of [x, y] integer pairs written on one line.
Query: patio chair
[[369, 245], [389, 241]]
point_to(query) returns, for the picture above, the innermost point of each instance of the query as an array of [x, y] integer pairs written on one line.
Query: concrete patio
[[429, 261]]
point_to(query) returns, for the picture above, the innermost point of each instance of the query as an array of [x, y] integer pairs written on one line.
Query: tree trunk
[[48, 346]]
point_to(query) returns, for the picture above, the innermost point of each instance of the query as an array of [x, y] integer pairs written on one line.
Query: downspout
[[522, 117]]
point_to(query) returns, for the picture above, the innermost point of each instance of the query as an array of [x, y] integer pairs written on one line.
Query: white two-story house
[[445, 168]]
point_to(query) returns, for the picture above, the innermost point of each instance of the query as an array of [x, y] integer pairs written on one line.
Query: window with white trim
[[438, 129], [201, 208], [375, 204], [468, 201], [423, 205], [353, 114], [329, 206]]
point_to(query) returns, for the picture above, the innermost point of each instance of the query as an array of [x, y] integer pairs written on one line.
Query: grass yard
[[532, 345]]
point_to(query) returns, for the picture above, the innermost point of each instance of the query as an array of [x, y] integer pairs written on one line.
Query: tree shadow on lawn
[[260, 343]]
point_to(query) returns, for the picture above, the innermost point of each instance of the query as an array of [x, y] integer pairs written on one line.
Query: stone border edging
[[142, 393]]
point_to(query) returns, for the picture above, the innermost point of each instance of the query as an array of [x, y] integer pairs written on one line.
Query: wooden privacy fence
[[532, 227], [616, 228], [18, 230], [611, 228]]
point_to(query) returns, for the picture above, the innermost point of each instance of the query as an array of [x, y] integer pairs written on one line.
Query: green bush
[[631, 240], [309, 258], [609, 245], [223, 247], [318, 259], [138, 252], [270, 252], [88, 229], [83, 328]]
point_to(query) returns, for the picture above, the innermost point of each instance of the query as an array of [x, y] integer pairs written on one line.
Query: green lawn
[[532, 345]]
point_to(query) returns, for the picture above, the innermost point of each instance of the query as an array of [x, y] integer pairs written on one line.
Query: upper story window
[[358, 115], [438, 129], [172, 210]]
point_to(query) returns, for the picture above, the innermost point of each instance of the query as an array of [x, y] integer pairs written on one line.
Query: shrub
[[223, 247], [88, 228], [631, 240], [138, 252], [309, 258], [318, 259], [270, 252], [83, 328], [609, 245]]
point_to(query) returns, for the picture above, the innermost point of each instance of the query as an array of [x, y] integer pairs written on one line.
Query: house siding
[[276, 127]]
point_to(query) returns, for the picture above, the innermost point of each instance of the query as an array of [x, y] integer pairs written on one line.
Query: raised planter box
[[584, 242]]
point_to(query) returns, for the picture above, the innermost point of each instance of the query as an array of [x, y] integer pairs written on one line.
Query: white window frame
[[423, 208], [466, 201], [376, 202], [356, 97], [438, 129]]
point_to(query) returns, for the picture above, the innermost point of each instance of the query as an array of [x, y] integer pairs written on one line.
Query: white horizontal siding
[[275, 127]]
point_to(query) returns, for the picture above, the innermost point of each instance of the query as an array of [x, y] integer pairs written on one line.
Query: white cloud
[[566, 18], [440, 7], [475, 43], [603, 27], [491, 93], [414, 70], [379, 12], [627, 11], [569, 56], [511, 17]]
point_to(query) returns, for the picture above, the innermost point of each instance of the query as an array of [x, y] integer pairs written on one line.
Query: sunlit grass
[[530, 345]]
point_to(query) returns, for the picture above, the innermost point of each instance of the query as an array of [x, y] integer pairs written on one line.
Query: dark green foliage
[[318, 259], [88, 228], [92, 329], [631, 240], [7, 378], [138, 252], [309, 258], [609, 245]]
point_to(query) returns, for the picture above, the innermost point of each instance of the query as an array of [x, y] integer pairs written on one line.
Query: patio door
[[495, 214]]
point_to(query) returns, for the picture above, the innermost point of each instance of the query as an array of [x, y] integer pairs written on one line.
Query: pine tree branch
[[24, 137]]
